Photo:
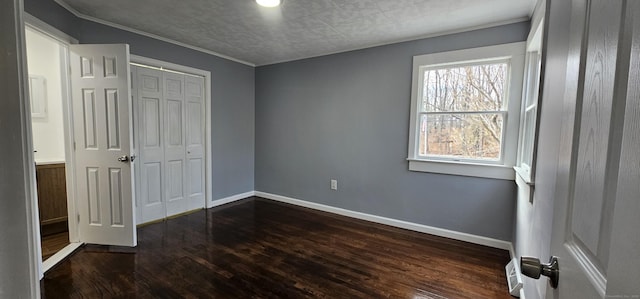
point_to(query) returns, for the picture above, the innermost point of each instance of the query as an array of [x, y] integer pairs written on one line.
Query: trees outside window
[[462, 111]]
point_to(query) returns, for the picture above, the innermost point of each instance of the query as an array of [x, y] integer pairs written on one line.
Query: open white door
[[102, 118], [595, 225]]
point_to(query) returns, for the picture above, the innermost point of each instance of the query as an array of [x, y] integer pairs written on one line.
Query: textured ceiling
[[299, 28]]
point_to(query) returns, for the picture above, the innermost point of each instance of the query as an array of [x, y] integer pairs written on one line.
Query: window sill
[[500, 172], [525, 189], [524, 175]]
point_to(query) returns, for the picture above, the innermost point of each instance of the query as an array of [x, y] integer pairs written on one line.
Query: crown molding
[[147, 34], [409, 39]]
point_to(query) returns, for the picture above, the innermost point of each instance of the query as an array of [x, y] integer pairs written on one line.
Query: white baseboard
[[59, 256], [495, 243], [232, 198]]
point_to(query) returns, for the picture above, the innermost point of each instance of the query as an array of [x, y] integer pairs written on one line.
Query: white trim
[[512, 251], [515, 52], [495, 243], [230, 199], [151, 35], [34, 248], [70, 153], [63, 40], [164, 65], [500, 172], [596, 277], [60, 256], [49, 162]]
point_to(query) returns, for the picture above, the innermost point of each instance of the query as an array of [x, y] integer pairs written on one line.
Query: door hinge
[[78, 218], [74, 146]]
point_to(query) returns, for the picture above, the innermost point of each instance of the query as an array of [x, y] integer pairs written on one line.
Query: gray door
[[597, 204]]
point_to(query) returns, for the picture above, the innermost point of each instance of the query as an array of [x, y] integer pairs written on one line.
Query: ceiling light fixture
[[268, 3]]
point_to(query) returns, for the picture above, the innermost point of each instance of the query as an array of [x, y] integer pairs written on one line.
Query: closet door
[[194, 92], [175, 150], [150, 144]]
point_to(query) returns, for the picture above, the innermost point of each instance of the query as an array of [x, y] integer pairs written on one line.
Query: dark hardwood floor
[[264, 249], [51, 244]]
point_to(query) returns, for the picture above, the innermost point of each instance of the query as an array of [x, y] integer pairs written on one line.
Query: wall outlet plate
[[334, 184]]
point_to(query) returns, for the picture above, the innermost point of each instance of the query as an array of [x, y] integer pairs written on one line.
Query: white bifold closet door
[[170, 135], [194, 96]]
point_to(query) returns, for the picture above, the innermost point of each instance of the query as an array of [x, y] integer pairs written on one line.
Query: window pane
[[465, 88], [467, 136]]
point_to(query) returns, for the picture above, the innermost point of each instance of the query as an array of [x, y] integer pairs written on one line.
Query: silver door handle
[[123, 159], [531, 266]]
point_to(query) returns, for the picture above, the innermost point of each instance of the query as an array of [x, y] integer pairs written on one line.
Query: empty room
[[320, 149]]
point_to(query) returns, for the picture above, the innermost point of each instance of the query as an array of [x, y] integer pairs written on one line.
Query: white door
[[170, 142], [595, 229], [150, 146], [194, 91], [174, 149], [100, 95]]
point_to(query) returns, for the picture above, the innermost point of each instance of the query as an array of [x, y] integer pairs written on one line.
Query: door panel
[[588, 168], [195, 141], [113, 128], [590, 216], [101, 112], [151, 143], [174, 150]]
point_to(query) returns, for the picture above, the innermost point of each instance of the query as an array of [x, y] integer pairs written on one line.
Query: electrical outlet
[[334, 184]]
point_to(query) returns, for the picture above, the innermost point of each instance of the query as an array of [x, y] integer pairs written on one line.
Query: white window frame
[[501, 169], [525, 166]]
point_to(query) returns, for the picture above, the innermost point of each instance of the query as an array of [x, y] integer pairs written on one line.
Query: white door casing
[[101, 113], [595, 176], [150, 143], [195, 141]]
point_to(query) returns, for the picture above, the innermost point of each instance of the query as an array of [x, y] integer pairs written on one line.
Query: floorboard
[[264, 249], [53, 243]]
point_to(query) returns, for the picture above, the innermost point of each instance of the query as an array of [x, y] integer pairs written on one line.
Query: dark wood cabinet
[[52, 198]]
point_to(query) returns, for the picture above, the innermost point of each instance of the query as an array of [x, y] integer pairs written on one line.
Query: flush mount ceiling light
[[268, 3]]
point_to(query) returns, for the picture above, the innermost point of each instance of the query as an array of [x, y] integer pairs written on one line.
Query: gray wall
[[54, 15], [232, 85], [346, 116]]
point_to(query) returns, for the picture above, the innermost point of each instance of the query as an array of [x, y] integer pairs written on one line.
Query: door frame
[[64, 40], [168, 66]]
